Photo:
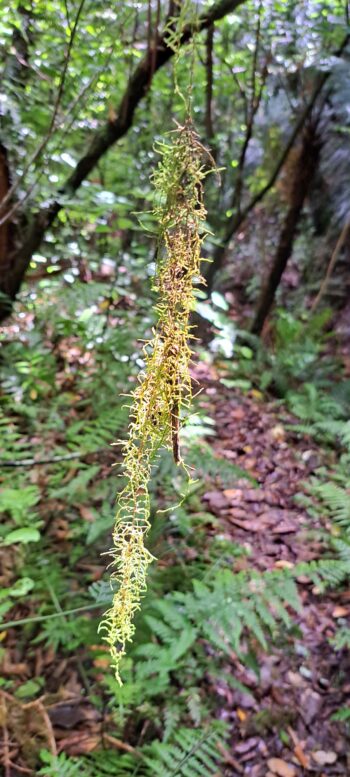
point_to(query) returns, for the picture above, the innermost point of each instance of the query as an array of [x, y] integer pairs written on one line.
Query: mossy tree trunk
[[304, 171]]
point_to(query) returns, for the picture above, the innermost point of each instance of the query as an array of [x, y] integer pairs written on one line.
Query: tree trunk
[[239, 216], [303, 172], [6, 229], [209, 128]]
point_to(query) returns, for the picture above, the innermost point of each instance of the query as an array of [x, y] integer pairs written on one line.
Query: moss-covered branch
[[165, 386]]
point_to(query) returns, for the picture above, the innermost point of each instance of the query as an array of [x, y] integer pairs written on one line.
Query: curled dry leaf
[[281, 768]]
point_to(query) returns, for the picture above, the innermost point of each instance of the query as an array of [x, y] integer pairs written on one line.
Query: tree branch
[[209, 85], [38, 152], [44, 460], [339, 245], [113, 131]]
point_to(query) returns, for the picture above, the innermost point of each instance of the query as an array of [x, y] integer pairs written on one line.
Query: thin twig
[[209, 84], [37, 703], [120, 745], [339, 245], [37, 153], [71, 112], [22, 769], [67, 14], [7, 763], [39, 618], [255, 55], [45, 460], [79, 662], [251, 109]]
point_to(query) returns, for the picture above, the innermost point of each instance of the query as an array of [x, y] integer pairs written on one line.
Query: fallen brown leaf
[[285, 527], [340, 612], [281, 768], [255, 525], [323, 757]]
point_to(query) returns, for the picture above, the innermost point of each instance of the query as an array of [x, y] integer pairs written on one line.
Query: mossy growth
[[164, 392]]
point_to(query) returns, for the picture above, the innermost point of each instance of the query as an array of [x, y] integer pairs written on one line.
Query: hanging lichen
[[164, 389]]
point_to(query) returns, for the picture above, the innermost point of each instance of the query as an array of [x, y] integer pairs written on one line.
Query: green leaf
[[22, 586], [27, 534], [29, 689]]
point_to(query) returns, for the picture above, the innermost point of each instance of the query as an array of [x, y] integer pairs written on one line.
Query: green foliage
[[203, 459], [336, 500], [173, 633], [19, 504], [59, 765], [342, 715], [189, 753], [293, 358], [24, 535], [342, 638], [74, 348]]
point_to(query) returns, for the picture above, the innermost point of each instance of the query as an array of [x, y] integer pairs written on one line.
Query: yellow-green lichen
[[164, 388]]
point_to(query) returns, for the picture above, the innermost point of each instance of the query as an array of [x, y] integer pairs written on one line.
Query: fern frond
[[342, 638], [336, 499], [189, 753]]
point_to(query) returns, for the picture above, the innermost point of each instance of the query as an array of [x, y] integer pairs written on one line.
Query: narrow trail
[[303, 681]]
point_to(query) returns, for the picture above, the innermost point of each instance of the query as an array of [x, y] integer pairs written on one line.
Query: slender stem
[[51, 127], [339, 245], [39, 618], [45, 459]]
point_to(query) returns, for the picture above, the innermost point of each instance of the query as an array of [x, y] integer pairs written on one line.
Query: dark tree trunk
[[304, 171], [6, 229], [209, 85]]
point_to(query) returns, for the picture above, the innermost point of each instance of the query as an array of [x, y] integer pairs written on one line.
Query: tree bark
[[209, 128], [6, 229], [303, 172], [239, 216], [14, 265]]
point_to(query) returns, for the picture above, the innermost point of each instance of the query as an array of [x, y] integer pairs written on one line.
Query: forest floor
[[304, 682], [282, 726]]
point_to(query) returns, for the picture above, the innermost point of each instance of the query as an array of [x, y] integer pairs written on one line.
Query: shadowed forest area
[[175, 388]]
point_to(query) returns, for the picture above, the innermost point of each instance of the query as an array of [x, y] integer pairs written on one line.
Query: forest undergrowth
[[239, 658], [239, 665]]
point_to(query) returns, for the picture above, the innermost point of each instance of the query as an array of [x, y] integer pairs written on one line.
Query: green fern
[[218, 612], [188, 754], [233, 602], [342, 546], [205, 461], [173, 636], [342, 715], [325, 573], [224, 609], [341, 638], [59, 765], [336, 500]]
